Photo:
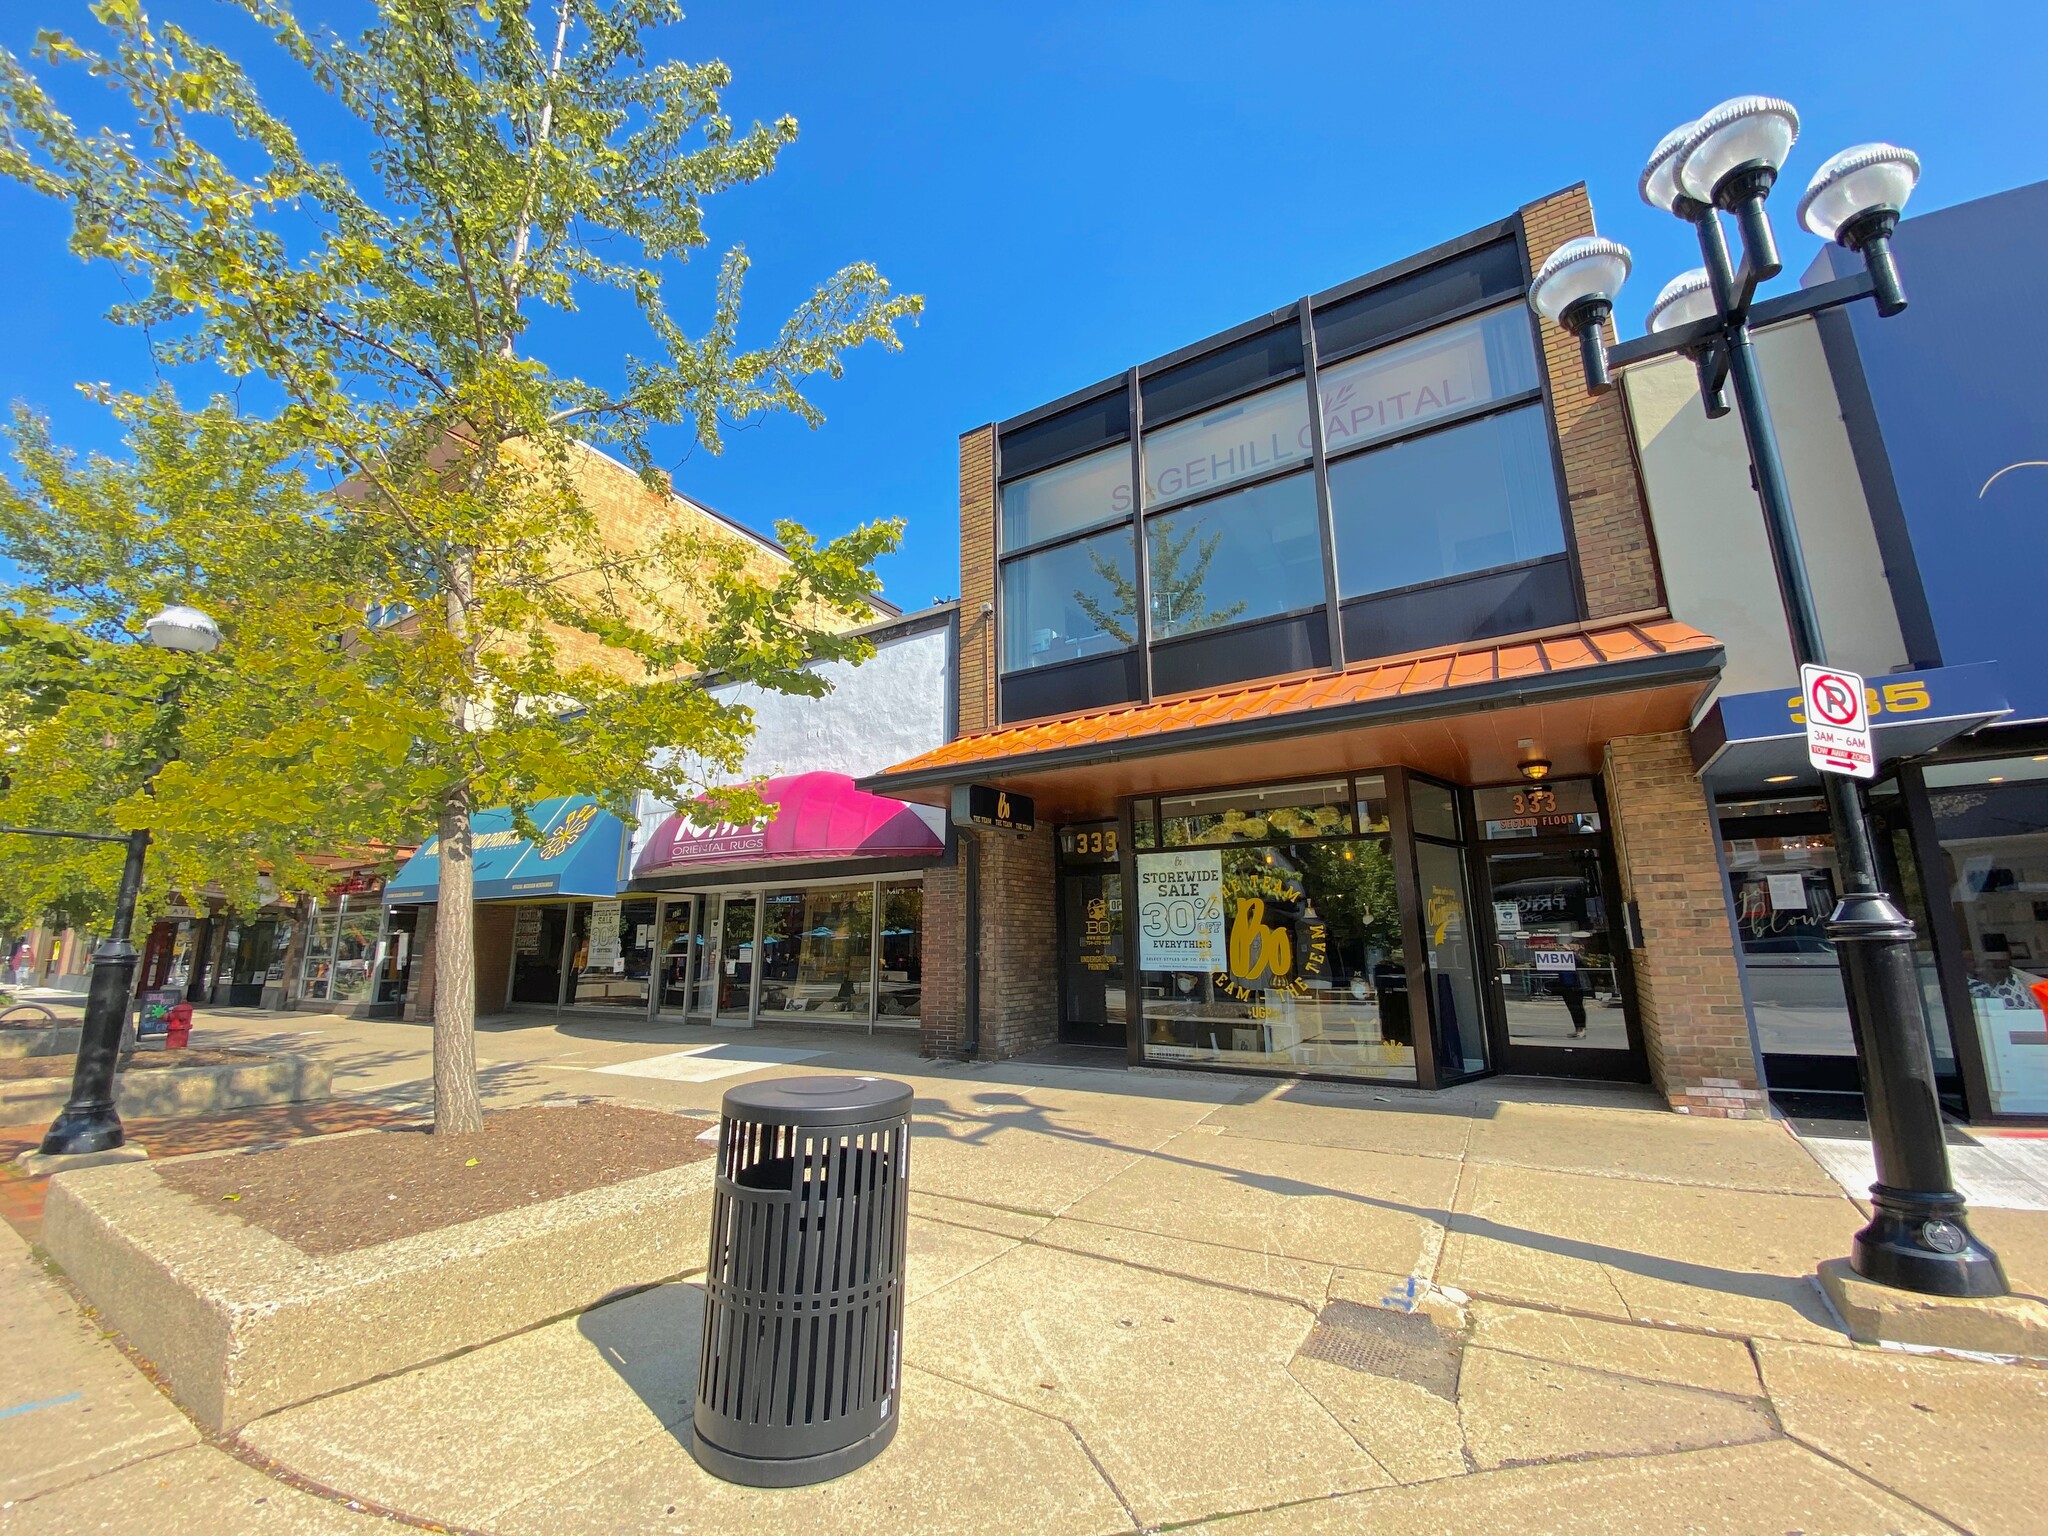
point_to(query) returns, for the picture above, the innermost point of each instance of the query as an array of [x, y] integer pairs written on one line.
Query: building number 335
[[1907, 698]]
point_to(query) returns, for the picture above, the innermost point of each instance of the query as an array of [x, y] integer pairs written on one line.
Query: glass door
[[1557, 979], [738, 950], [1092, 997], [679, 936]]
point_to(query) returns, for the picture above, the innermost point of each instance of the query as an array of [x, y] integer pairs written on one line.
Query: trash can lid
[[818, 1100]]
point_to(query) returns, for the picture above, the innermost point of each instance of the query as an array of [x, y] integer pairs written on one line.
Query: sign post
[[1837, 722]]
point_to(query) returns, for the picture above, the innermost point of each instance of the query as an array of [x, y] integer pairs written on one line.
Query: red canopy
[[817, 816]]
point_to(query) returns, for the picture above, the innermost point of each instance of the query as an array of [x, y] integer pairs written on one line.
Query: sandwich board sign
[[1837, 722]]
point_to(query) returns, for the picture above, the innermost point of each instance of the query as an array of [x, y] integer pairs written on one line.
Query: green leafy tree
[[1180, 583], [521, 158]]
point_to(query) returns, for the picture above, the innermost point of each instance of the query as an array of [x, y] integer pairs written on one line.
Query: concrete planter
[[162, 1092], [241, 1324], [48, 1040]]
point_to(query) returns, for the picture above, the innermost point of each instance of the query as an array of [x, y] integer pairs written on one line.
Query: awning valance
[[817, 816], [1756, 741], [581, 851]]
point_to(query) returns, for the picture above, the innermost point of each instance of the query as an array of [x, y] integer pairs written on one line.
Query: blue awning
[[1755, 741], [581, 852]]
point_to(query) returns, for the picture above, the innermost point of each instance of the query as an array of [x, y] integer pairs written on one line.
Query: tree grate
[[1401, 1346]]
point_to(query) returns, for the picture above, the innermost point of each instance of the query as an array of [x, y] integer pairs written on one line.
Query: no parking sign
[[1837, 722]]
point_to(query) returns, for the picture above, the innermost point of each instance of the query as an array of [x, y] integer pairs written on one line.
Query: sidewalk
[[1148, 1300]]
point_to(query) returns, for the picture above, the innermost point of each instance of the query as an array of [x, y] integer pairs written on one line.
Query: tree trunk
[[458, 1107]]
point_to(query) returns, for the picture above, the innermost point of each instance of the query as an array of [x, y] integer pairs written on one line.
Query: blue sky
[[1078, 187]]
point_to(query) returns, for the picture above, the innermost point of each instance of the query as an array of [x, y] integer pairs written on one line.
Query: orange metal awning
[[1457, 713]]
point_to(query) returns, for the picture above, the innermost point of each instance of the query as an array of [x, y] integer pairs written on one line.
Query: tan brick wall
[[1688, 985], [978, 643], [1019, 948], [1610, 521]]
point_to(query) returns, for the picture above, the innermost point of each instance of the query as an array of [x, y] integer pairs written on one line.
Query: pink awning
[[817, 816]]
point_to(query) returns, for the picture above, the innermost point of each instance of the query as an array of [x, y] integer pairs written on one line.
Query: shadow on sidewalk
[[652, 1339]]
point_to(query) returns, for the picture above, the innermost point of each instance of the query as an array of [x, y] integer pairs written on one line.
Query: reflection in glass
[[1992, 819], [902, 960], [1064, 604], [617, 974], [1554, 951], [1410, 384], [1466, 499], [1450, 942], [1260, 814], [1092, 984], [355, 950], [1230, 443], [735, 961], [675, 946], [1432, 810], [1242, 556], [1314, 978], [1068, 498], [815, 948]]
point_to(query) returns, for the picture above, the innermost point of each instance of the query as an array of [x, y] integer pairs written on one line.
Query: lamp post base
[[88, 1122], [1922, 1242]]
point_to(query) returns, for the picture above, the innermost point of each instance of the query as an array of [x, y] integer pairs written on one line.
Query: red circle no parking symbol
[[1833, 698]]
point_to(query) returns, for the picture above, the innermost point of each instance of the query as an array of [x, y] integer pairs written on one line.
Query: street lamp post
[[88, 1122], [1918, 1237]]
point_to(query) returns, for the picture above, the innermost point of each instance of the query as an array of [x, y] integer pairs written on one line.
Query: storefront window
[[1255, 815], [1451, 944], [620, 956], [1230, 443], [902, 952], [537, 934], [1243, 556], [1469, 498], [1286, 955], [1432, 810], [1992, 819], [1067, 499], [815, 952], [317, 969], [355, 952], [1537, 810], [1070, 602]]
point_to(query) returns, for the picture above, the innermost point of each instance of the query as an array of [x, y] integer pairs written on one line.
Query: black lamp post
[[1918, 1238], [88, 1121]]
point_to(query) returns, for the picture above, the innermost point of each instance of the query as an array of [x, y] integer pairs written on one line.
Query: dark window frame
[[1207, 492]]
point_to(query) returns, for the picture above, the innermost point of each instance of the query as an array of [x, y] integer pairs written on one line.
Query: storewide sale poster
[[1180, 911]]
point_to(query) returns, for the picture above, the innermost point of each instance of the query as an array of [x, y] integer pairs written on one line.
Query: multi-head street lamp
[[1726, 163]]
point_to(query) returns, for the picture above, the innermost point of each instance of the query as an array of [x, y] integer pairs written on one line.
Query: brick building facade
[[1500, 744]]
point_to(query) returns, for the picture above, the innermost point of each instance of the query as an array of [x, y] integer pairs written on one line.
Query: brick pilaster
[[1019, 948], [1610, 521], [979, 651], [1688, 985]]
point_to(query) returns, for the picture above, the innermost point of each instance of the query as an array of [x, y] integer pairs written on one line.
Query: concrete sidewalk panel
[[1733, 1261], [937, 1253], [1323, 1115], [1758, 1155], [962, 1464], [70, 1405], [1518, 1409], [1964, 1439], [1180, 1389], [1409, 1430], [1766, 1489], [1325, 1205], [1652, 1353], [196, 1490], [468, 1438], [1267, 1274]]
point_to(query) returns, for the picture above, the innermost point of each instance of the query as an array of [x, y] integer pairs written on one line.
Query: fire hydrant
[[178, 1026]]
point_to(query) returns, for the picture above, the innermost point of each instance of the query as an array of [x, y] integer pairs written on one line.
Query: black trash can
[[803, 1298]]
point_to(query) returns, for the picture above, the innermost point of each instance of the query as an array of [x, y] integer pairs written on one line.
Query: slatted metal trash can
[[803, 1297]]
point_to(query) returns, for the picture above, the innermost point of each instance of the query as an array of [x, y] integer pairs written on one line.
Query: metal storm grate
[[1402, 1346]]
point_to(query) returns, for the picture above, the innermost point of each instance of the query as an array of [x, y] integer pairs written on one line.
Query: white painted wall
[[1716, 560], [889, 708]]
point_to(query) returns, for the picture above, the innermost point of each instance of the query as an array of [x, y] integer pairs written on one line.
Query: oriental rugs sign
[[724, 840]]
